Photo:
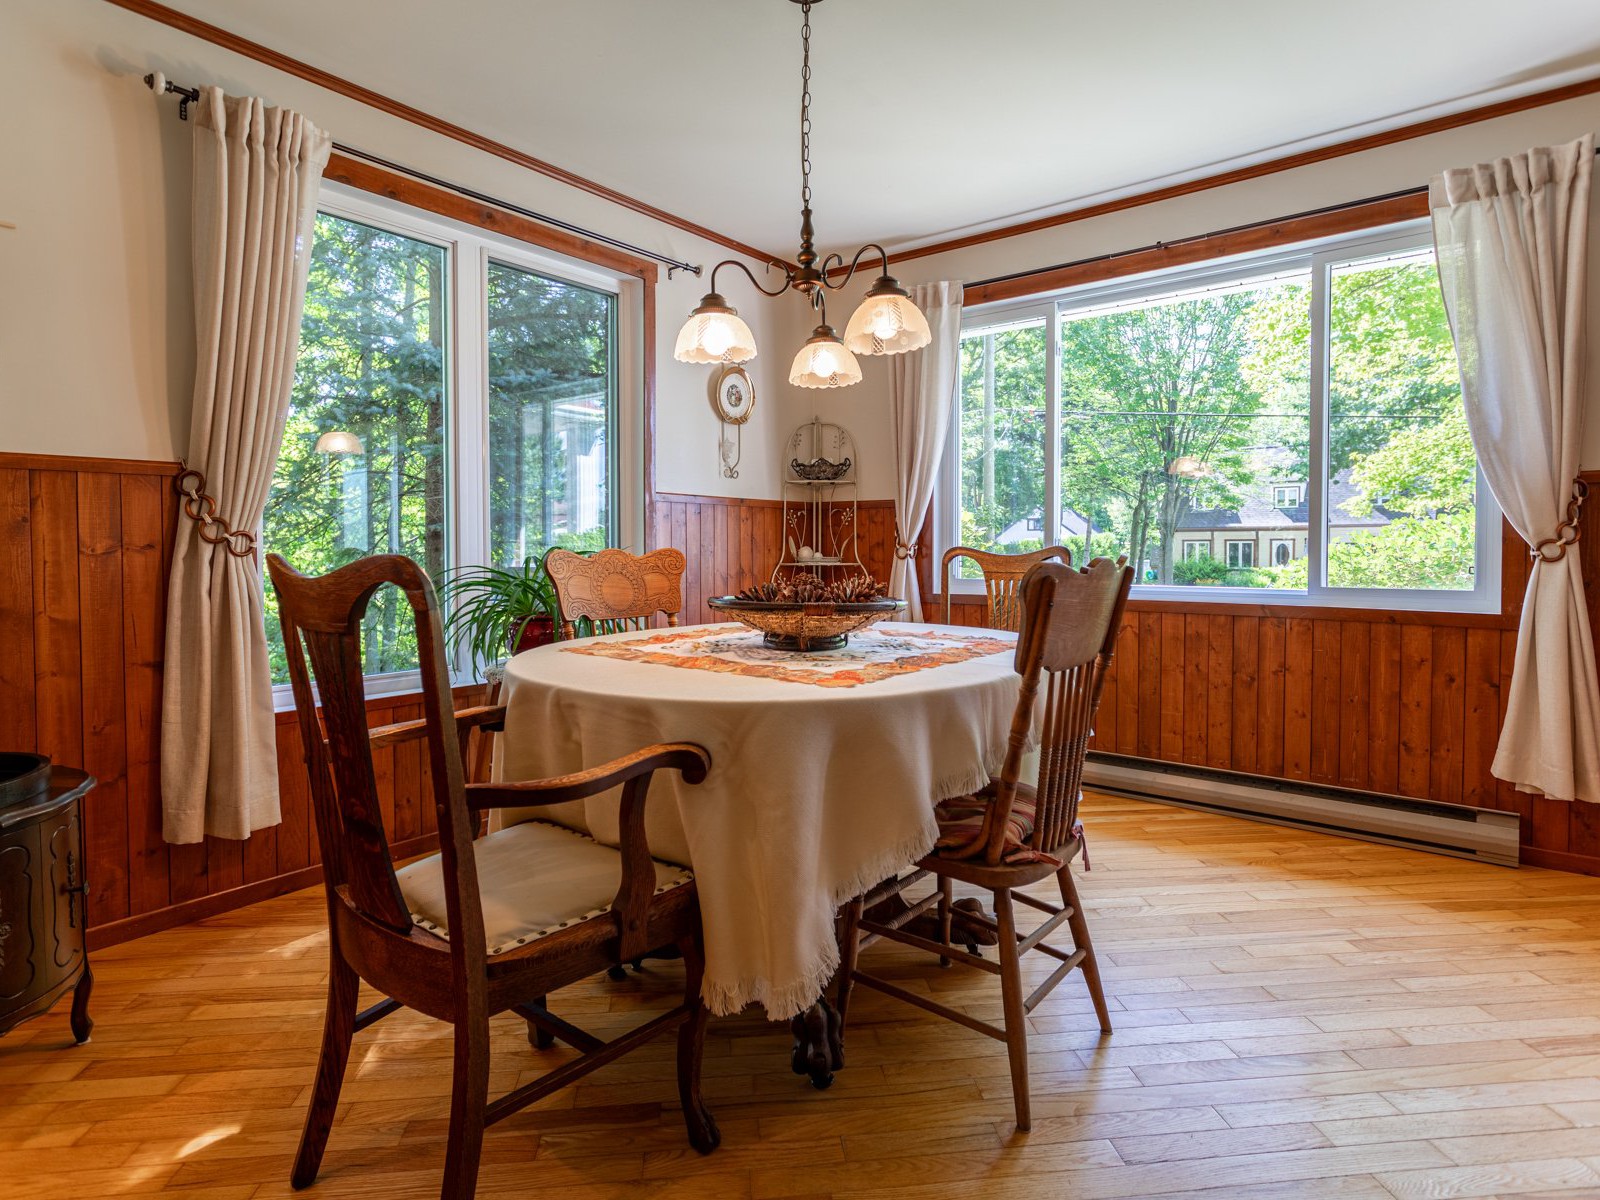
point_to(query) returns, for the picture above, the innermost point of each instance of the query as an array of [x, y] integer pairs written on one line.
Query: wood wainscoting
[[84, 550], [733, 544], [1407, 704]]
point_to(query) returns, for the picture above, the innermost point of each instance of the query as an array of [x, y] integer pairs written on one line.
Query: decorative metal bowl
[[800, 627], [819, 468]]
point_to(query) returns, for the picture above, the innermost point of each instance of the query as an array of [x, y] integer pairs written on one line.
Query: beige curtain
[[256, 172], [1512, 239], [922, 400]]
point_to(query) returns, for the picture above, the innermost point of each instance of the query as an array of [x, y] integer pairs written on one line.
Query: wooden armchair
[[616, 590], [483, 926], [1002, 575], [1009, 835]]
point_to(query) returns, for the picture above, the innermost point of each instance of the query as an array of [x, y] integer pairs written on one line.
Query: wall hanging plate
[[733, 395]]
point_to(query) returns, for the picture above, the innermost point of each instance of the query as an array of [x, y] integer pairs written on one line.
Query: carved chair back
[[322, 620], [1070, 620], [616, 590], [1002, 576]]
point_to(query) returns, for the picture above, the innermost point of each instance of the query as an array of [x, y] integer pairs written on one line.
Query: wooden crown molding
[[1262, 235], [1274, 166], [218, 36]]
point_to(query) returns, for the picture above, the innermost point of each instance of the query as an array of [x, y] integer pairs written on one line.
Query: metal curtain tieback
[[904, 550], [202, 509], [1554, 549]]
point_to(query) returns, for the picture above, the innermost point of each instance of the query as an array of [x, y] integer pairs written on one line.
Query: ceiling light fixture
[[887, 322]]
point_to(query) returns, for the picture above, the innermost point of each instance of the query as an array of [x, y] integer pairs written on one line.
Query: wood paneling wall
[[84, 550], [1403, 703], [733, 544], [1407, 704]]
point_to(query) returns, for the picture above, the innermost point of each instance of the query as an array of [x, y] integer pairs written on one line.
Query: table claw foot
[[818, 1044]]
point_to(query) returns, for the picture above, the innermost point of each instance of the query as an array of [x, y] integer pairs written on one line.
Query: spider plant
[[492, 612]]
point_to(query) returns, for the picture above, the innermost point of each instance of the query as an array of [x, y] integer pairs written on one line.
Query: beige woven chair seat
[[535, 879]]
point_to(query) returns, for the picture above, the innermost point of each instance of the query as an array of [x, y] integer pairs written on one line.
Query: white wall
[[96, 321], [1354, 177]]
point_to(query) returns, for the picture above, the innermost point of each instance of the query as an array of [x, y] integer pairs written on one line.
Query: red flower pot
[[530, 632]]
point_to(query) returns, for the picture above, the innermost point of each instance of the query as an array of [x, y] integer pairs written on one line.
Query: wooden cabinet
[[42, 903]]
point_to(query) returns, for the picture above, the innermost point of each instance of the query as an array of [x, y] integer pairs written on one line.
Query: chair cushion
[[535, 878], [961, 827]]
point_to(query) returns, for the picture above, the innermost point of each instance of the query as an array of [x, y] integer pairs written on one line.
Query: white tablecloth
[[815, 792]]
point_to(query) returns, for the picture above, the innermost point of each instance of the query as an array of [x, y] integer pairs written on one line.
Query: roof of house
[[1258, 512]]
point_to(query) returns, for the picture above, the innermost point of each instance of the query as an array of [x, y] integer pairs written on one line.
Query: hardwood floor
[[1297, 1016]]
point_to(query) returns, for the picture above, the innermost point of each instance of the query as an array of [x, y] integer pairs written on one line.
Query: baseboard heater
[[1455, 829]]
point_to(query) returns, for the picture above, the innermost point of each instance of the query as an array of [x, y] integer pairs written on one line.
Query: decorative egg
[[806, 554]]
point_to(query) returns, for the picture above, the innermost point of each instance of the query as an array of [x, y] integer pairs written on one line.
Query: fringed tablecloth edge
[[726, 999]]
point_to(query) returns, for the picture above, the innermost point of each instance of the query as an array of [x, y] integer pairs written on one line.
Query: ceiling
[[930, 117]]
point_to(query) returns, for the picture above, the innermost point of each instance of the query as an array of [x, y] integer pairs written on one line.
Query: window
[[1304, 398], [552, 385], [424, 340], [1003, 390]]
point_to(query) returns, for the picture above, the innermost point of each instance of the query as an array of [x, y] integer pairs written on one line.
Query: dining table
[[825, 770]]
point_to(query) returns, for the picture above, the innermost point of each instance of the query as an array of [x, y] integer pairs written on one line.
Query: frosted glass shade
[[714, 333], [888, 323], [824, 362], [339, 441]]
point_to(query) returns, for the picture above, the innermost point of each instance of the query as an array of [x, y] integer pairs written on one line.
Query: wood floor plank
[[1295, 1016]]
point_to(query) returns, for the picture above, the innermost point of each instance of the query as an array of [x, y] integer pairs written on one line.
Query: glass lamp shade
[[339, 441], [824, 362], [714, 333], [887, 322]]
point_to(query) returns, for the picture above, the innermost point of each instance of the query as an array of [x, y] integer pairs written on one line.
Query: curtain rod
[[161, 85], [1200, 237]]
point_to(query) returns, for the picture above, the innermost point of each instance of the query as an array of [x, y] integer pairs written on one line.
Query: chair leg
[[947, 900], [338, 1028], [1080, 939], [1016, 1015], [540, 1039], [703, 1133], [469, 1097], [849, 956]]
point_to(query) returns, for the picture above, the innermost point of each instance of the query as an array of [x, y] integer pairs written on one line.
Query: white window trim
[[1314, 256], [470, 249]]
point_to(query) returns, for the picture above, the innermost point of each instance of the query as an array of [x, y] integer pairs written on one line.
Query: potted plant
[[494, 612]]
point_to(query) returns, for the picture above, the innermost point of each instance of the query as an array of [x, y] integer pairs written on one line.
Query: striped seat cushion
[[961, 827]]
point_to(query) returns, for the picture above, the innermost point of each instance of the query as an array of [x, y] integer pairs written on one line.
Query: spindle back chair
[[1008, 834], [1002, 577]]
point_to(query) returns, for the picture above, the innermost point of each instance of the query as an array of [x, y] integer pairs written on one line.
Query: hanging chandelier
[[887, 322]]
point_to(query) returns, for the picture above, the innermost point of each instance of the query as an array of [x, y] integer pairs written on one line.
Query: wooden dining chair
[[615, 590], [1008, 835], [487, 925], [1002, 575]]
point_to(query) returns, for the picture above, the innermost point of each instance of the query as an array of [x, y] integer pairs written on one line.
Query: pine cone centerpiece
[[805, 612], [810, 589]]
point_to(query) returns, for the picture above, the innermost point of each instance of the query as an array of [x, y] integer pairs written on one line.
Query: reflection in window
[[1002, 439], [371, 366], [1402, 491], [552, 389], [1178, 414]]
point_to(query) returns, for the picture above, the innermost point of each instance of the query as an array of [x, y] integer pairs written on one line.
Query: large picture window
[[458, 398], [1307, 398]]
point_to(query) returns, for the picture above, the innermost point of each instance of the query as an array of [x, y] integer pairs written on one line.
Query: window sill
[[1251, 602], [383, 691]]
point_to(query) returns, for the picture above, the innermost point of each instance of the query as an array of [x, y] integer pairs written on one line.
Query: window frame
[[1316, 256], [469, 249], [1229, 545]]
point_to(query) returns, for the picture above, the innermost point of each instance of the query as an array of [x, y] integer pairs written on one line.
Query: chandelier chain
[[805, 107]]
